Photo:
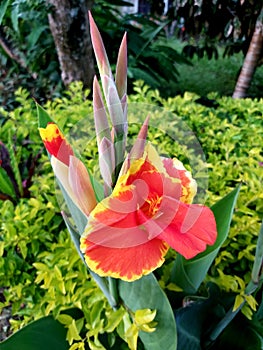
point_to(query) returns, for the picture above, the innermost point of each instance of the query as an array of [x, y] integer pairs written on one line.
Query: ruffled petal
[[128, 264], [187, 228], [176, 170], [115, 222]]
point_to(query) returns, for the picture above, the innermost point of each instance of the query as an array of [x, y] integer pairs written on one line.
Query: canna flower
[[69, 170], [130, 231], [148, 199]]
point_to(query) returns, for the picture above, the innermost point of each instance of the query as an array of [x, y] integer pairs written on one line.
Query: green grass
[[215, 75]]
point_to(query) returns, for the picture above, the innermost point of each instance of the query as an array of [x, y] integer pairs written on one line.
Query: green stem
[[251, 288], [222, 325], [254, 284], [113, 290], [101, 282]]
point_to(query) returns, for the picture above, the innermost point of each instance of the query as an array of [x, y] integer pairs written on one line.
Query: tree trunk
[[251, 60], [69, 25]]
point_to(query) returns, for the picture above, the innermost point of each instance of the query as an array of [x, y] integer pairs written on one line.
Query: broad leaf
[[189, 274], [150, 36], [190, 320], [241, 334], [6, 185], [146, 293], [45, 333]]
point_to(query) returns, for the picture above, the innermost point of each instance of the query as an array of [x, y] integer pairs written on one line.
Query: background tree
[[68, 20], [228, 22], [45, 45], [251, 60]]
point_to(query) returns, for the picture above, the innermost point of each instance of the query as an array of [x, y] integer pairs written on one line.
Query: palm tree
[[251, 59]]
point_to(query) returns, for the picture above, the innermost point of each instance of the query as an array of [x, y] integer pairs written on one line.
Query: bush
[[39, 268]]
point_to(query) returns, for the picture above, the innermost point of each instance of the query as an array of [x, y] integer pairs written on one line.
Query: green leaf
[[189, 274], [14, 161], [33, 37], [240, 334], [3, 8], [45, 333], [43, 117], [146, 293], [6, 185], [190, 322], [151, 37], [78, 216], [74, 234], [257, 266], [14, 17], [114, 319]]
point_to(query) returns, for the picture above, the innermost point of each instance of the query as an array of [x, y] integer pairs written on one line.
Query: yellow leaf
[[251, 302], [58, 273], [2, 245], [132, 336], [40, 266], [173, 287], [246, 310], [238, 302], [113, 320], [93, 346], [147, 328], [73, 333], [77, 346], [64, 319], [144, 316]]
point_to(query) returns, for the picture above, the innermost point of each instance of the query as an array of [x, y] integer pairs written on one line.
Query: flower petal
[[137, 150], [55, 143], [189, 231], [127, 264], [106, 160], [176, 170], [100, 116], [115, 242], [121, 68], [80, 184], [99, 49], [61, 171]]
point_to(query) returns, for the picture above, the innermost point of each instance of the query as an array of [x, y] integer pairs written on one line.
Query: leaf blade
[[146, 293], [45, 333]]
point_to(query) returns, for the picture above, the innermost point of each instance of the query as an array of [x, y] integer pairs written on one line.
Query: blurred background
[[174, 46]]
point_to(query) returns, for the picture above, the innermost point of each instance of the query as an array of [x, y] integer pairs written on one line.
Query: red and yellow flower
[[129, 232], [149, 209], [69, 170]]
